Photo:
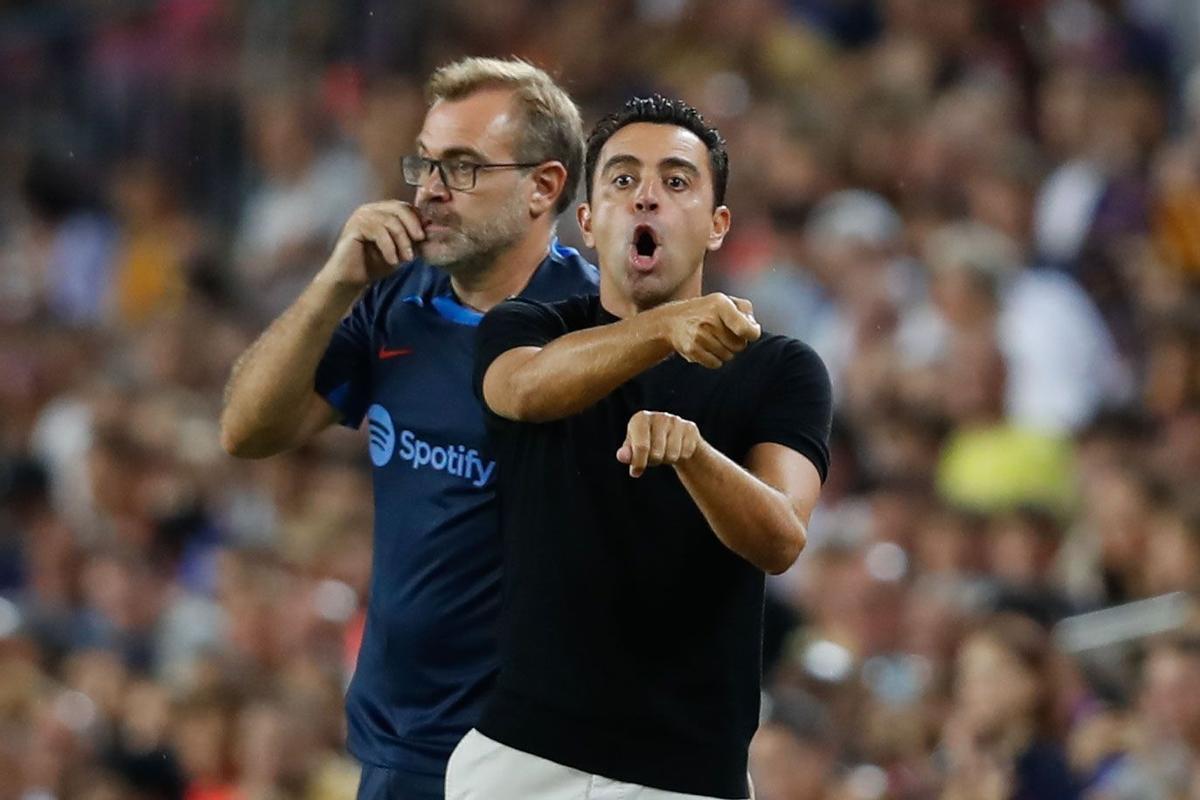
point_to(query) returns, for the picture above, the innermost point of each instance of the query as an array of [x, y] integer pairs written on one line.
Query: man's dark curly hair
[[661, 111]]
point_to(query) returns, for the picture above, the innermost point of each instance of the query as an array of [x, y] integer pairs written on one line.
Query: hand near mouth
[[376, 239]]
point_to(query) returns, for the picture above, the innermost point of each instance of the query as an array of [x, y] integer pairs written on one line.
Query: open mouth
[[644, 249]]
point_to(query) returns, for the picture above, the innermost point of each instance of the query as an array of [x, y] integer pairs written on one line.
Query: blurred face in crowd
[[1001, 201], [101, 675], [1172, 560], [465, 229], [857, 270], [946, 544], [993, 687], [391, 114], [1117, 511], [1170, 702], [784, 767], [140, 192], [651, 217], [262, 743], [974, 378], [282, 136], [200, 739], [1018, 553], [962, 298], [933, 619], [146, 716], [1063, 107]]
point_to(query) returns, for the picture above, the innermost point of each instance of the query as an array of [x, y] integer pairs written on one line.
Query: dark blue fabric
[[381, 783], [402, 359], [1042, 773]]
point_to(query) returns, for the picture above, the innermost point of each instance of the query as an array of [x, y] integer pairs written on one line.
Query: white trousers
[[484, 769]]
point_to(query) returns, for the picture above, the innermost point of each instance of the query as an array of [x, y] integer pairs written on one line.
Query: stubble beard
[[468, 250]]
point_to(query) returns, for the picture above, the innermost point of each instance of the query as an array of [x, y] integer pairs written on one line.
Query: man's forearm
[[576, 370], [750, 517], [271, 384]]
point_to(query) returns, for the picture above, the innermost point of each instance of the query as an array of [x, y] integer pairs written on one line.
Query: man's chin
[[456, 261], [439, 252], [648, 291]]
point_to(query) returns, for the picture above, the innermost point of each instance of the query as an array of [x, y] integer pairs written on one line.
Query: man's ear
[[549, 182], [720, 226], [583, 215]]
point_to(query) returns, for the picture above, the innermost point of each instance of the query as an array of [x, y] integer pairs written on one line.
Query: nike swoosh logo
[[399, 351]]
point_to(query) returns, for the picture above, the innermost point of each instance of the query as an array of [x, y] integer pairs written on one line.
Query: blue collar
[[440, 296], [448, 306]]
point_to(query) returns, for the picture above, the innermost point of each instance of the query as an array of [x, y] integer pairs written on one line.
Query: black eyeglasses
[[458, 174]]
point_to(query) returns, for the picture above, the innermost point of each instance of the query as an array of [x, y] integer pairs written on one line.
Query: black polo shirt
[[631, 638]]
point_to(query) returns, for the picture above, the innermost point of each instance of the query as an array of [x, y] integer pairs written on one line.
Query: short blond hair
[[976, 249], [553, 129]]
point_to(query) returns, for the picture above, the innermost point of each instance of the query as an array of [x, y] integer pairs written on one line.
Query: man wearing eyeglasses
[[499, 157]]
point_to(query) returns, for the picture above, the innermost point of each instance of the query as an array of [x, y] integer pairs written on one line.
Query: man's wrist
[[657, 322], [700, 457], [340, 287]]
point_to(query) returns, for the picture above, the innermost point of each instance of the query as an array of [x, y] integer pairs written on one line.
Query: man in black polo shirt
[[632, 623]]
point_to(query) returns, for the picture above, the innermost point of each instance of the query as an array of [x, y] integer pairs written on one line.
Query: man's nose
[[646, 198], [432, 187]]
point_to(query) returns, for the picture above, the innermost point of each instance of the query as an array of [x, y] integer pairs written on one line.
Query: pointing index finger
[[739, 323], [747, 309]]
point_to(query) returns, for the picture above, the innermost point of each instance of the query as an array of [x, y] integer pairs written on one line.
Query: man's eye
[[623, 181], [677, 182], [461, 168]]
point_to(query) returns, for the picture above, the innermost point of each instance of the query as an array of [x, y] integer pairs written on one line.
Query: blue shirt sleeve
[[344, 372]]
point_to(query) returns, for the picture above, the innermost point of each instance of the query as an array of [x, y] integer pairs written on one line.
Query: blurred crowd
[[983, 214]]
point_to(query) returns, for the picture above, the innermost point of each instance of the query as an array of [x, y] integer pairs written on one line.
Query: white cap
[[856, 215], [975, 248]]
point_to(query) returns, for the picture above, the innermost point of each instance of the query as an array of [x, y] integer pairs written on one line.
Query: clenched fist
[[712, 329], [374, 241], [656, 437]]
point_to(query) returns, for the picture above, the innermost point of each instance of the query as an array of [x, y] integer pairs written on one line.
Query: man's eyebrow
[[679, 163], [621, 160], [459, 151]]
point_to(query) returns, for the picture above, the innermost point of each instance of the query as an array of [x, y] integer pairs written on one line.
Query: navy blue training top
[[403, 359]]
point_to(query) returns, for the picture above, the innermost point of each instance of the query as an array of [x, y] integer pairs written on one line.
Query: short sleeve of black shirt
[[796, 409], [524, 323]]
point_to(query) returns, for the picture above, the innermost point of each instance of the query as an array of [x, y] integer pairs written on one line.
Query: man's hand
[[712, 329], [656, 437], [376, 239]]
